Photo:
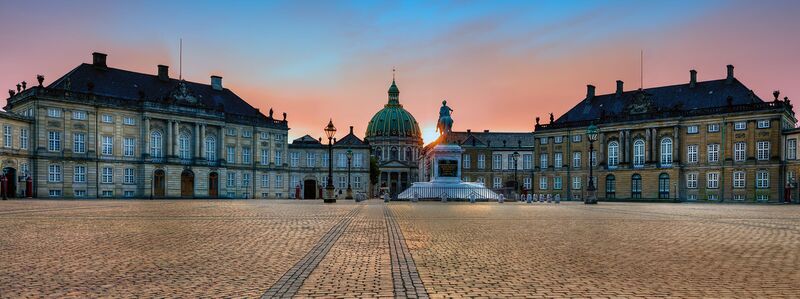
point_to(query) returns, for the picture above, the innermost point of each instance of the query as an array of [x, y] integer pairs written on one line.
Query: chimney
[[469, 130], [216, 82], [619, 87], [486, 131], [692, 78], [351, 130], [729, 79], [589, 91], [163, 72], [99, 59]]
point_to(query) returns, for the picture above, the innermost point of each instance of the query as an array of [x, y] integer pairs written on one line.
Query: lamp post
[[330, 131], [349, 160], [591, 197], [515, 156]]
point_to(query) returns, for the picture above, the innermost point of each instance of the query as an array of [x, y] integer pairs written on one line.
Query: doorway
[[309, 189], [159, 183], [11, 183], [187, 183], [213, 185]]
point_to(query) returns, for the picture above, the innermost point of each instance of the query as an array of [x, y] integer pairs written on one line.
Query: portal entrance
[[159, 183], [10, 185], [187, 183], [213, 185], [309, 189]]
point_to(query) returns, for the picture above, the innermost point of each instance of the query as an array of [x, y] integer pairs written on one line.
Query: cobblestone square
[[265, 248]]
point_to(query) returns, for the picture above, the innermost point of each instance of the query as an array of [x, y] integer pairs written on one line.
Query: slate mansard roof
[[487, 139]]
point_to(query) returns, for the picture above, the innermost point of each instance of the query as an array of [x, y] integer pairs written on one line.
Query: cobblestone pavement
[[246, 249]]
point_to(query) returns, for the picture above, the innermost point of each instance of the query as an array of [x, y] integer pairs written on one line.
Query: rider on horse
[[445, 124]]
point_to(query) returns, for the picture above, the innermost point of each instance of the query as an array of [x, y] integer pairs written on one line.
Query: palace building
[[103, 132], [701, 140]]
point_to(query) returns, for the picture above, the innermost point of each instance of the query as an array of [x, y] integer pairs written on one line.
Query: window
[[128, 176], [393, 154], [613, 153], [80, 174], [264, 181], [738, 197], [713, 153], [211, 148], [311, 159], [246, 156], [636, 186], [325, 160], [184, 146], [763, 123], [576, 160], [738, 179], [543, 140], [496, 183], [128, 146], [466, 161], [739, 149], [54, 193], [23, 138], [691, 153], [557, 160], [526, 183], [666, 152], [711, 197], [108, 146], [713, 128], [341, 160], [512, 164], [79, 115], [481, 161], [294, 159], [691, 197], [543, 183], [763, 150], [231, 154], [638, 153], [278, 181], [107, 175], [543, 161], [740, 125], [80, 193], [107, 118], [663, 186], [576, 138], [279, 158], [54, 112], [245, 179], [54, 173], [408, 156], [497, 161], [558, 139], [692, 129], [762, 197], [342, 182], [128, 193], [247, 133], [7, 141], [230, 132], [128, 121], [231, 180], [791, 149], [78, 143], [527, 161], [358, 160], [576, 183], [556, 183], [762, 179], [26, 170], [691, 180], [54, 141], [357, 182], [278, 137], [155, 144], [378, 152], [264, 136], [594, 158], [712, 180], [611, 186]]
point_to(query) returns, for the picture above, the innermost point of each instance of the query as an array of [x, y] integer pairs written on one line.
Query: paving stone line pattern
[[288, 285], [405, 277]]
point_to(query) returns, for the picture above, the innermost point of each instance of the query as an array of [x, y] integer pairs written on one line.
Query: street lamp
[[330, 131], [349, 160], [591, 197], [515, 155]]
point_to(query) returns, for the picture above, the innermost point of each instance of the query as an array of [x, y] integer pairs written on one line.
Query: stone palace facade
[[102, 132]]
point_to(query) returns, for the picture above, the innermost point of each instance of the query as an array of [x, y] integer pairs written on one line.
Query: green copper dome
[[393, 120]]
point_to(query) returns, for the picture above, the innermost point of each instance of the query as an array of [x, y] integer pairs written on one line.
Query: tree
[[374, 171]]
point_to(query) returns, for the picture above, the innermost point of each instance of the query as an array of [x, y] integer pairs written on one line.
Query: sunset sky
[[499, 64]]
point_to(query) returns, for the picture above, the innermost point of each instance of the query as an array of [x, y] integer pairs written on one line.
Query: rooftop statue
[[445, 123]]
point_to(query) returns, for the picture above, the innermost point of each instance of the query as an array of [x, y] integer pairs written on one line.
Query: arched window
[[638, 152], [663, 185], [211, 148], [393, 154], [613, 153], [409, 155], [636, 186], [611, 186], [156, 144], [184, 146], [666, 152], [379, 153]]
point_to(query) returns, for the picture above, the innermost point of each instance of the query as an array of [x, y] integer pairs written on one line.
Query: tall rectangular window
[[526, 183], [7, 141], [79, 143], [511, 162], [54, 141], [265, 181], [107, 175], [23, 138], [557, 183], [738, 179], [128, 176], [763, 150], [264, 156], [246, 155], [311, 159], [245, 179], [108, 145], [543, 183], [357, 182], [691, 153], [80, 174], [713, 153], [527, 161], [358, 160], [294, 159], [278, 181], [231, 179], [739, 151], [497, 161], [712, 180], [576, 160], [557, 160], [54, 173], [231, 154], [762, 179], [497, 183], [543, 161], [279, 159], [791, 149], [341, 160], [129, 146], [481, 161], [691, 180], [576, 183]]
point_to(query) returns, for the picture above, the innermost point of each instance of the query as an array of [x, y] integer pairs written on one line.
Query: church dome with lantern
[[393, 120]]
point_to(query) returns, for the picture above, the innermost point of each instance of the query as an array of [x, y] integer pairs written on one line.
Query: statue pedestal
[[445, 183]]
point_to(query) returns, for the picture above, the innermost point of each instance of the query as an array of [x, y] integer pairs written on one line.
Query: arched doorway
[[213, 185], [309, 189], [159, 183], [10, 187], [187, 183]]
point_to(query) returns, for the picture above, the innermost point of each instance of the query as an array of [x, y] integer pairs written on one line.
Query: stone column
[[202, 141], [220, 144], [168, 150], [146, 141], [600, 157], [176, 134], [197, 140], [648, 146], [676, 146]]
